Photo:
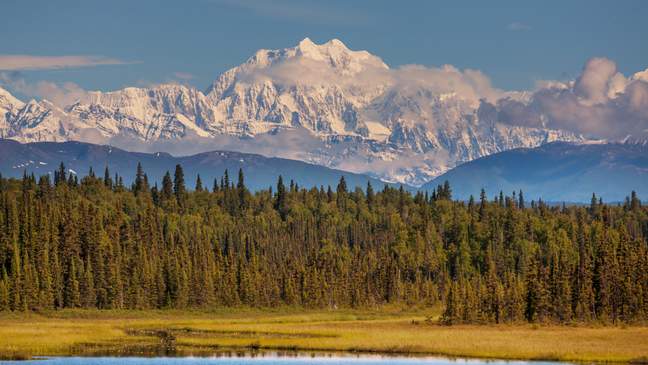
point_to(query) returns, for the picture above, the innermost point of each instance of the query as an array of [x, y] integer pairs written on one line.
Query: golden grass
[[387, 330]]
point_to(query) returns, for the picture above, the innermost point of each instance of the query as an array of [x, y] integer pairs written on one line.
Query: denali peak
[[337, 107]]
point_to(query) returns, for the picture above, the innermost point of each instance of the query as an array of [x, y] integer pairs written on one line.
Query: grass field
[[388, 330]]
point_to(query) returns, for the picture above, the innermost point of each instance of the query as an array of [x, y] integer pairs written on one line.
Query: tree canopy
[[94, 243]]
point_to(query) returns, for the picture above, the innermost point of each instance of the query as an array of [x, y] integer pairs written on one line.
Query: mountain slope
[[260, 172], [324, 104], [555, 172]]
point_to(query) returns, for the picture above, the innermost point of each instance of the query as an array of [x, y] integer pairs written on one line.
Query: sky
[[107, 45]]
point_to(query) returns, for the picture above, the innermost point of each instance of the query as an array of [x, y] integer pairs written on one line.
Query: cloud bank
[[62, 94], [600, 103], [27, 62], [471, 85]]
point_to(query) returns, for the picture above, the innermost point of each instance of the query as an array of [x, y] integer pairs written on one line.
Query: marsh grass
[[383, 330]]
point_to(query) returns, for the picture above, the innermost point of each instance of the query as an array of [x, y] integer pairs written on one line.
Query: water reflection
[[272, 358]]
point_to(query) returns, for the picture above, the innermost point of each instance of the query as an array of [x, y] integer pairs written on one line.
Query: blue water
[[270, 360]]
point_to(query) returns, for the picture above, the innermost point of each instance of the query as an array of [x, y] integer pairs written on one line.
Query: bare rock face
[[363, 117]]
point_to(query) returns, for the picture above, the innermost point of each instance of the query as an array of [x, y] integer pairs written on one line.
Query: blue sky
[[140, 42]]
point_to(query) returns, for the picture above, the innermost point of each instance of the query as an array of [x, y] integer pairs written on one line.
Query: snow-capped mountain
[[9, 106], [162, 112], [324, 104]]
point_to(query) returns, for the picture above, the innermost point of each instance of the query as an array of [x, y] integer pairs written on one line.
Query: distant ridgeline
[[42, 158], [91, 242]]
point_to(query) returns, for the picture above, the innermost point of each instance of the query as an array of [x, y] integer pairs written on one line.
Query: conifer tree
[[342, 186], [593, 205], [107, 179], [370, 195], [60, 176], [87, 290], [199, 186], [242, 191], [447, 191], [72, 297], [139, 180], [179, 188], [281, 204], [155, 194], [226, 180], [167, 187]]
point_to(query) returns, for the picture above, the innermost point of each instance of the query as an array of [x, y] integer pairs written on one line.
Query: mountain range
[[323, 104], [260, 172], [555, 172]]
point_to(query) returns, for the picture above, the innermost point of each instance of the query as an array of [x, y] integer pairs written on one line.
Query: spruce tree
[[60, 176], [107, 179], [72, 297], [167, 187], [179, 188], [199, 186], [226, 180], [342, 186], [139, 180], [370, 195], [242, 191], [281, 204], [447, 191]]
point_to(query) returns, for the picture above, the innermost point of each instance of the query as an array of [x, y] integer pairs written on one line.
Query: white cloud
[[600, 103], [60, 94], [594, 82], [67, 93], [291, 144], [471, 85], [27, 62]]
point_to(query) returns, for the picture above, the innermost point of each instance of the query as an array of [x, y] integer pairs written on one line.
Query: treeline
[[95, 243]]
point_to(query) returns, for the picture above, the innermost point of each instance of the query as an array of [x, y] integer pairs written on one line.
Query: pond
[[272, 360]]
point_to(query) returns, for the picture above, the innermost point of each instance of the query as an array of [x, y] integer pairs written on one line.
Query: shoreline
[[387, 332]]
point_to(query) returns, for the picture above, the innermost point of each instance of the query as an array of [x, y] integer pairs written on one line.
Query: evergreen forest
[[91, 242]]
